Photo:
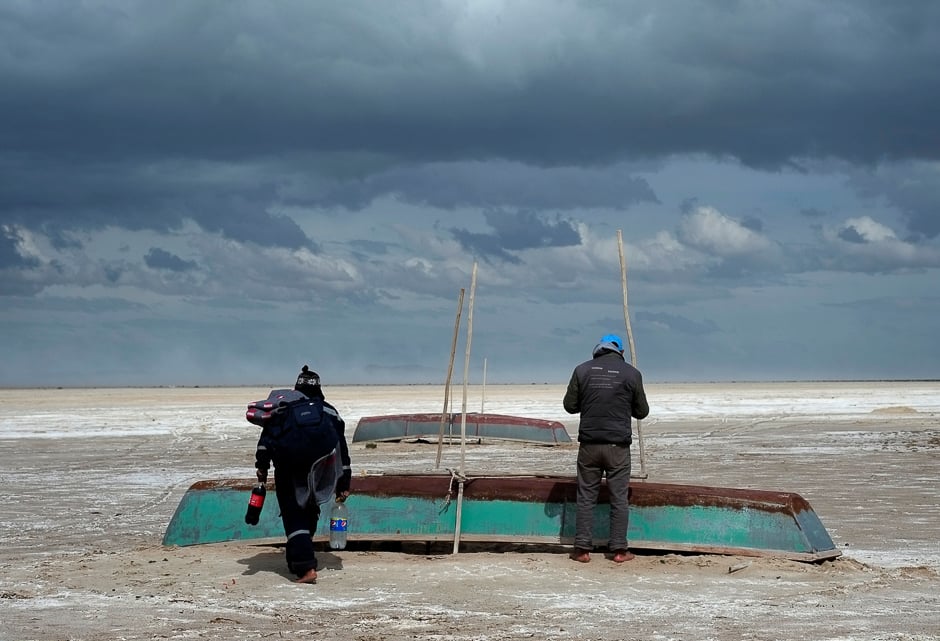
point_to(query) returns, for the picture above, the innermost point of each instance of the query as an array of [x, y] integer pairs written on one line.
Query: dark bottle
[[255, 503]]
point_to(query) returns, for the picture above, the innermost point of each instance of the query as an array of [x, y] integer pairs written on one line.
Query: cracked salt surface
[[98, 473]]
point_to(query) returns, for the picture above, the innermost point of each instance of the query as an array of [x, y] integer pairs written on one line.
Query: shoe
[[622, 556], [581, 556]]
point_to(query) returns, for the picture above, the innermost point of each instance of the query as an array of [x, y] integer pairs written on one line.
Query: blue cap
[[612, 338]]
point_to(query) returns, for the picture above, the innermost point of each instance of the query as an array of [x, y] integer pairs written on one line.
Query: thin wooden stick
[[623, 283], [466, 369], [463, 414], [483, 391], [626, 319], [450, 371], [459, 516]]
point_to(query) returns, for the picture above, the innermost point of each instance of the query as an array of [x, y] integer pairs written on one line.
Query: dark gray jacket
[[606, 391]]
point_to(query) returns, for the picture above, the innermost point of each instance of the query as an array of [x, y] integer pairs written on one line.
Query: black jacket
[[293, 453], [606, 391]]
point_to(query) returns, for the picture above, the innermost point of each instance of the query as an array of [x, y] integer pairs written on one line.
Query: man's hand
[[262, 475], [342, 496]]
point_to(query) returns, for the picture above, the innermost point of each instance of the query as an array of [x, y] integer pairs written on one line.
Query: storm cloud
[[327, 173]]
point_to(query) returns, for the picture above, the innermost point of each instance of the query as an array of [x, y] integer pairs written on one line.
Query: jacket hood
[[604, 347]]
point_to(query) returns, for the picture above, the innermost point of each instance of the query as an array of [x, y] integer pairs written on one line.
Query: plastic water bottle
[[339, 525], [255, 503]]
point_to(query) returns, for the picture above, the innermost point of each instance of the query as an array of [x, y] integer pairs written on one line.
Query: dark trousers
[[299, 523], [595, 460]]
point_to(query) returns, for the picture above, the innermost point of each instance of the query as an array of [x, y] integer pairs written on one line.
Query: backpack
[[295, 428], [261, 413]]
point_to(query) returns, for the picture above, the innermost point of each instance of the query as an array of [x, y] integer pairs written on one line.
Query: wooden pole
[[450, 370], [459, 516], [463, 414], [483, 391], [626, 319], [466, 368], [623, 283]]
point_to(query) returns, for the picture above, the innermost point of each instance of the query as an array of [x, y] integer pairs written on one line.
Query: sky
[[210, 192]]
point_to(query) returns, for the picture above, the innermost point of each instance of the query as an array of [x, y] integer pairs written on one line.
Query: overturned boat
[[527, 509], [477, 427]]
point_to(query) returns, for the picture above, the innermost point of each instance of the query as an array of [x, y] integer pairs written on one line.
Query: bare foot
[[581, 556], [622, 556], [309, 577]]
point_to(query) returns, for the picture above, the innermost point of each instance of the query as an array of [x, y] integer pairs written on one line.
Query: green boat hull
[[526, 509]]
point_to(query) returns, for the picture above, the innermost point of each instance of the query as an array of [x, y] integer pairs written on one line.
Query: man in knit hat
[[307, 445], [607, 391]]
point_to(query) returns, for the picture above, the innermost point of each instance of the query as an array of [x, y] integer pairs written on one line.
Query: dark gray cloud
[[753, 223], [10, 255], [59, 239], [514, 231], [209, 159], [144, 117], [484, 246], [405, 84], [477, 184], [243, 222], [158, 258], [57, 195], [850, 234], [527, 230], [913, 188]]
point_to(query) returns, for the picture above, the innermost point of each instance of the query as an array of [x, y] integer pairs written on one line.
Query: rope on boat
[[455, 475], [460, 478]]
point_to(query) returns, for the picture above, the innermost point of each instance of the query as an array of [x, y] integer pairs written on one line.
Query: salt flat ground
[[91, 477]]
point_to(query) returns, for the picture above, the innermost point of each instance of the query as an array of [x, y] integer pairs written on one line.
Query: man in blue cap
[[607, 391]]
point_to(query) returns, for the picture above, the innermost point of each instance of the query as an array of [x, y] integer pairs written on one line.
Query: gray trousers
[[595, 460]]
